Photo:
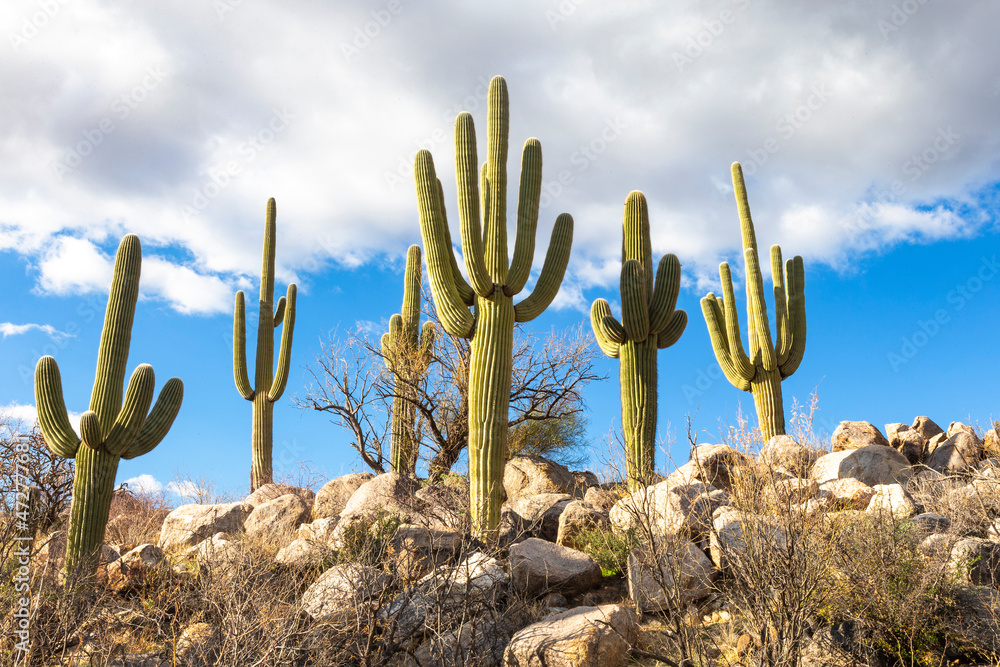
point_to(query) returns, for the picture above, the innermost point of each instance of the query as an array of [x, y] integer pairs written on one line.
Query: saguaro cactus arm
[[240, 348], [665, 291], [794, 348], [159, 420], [553, 270], [52, 414], [279, 312], [285, 351], [128, 423], [672, 332], [529, 198], [635, 301], [467, 178], [598, 312]]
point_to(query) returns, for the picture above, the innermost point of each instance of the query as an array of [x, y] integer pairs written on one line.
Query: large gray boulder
[[906, 440], [528, 475], [669, 576], [481, 643], [541, 512], [303, 553], [332, 498], [582, 637], [271, 491], [976, 561], [188, 525], [344, 589], [387, 494], [537, 566], [960, 451], [717, 465], [274, 522], [926, 427], [417, 550], [578, 519], [874, 464], [846, 494], [667, 508], [855, 435], [892, 500], [739, 538], [783, 452]]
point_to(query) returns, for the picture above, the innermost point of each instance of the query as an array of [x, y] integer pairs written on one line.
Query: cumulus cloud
[[147, 483], [10, 329], [144, 483], [27, 414]]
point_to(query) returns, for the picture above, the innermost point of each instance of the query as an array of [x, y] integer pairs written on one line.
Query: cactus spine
[[490, 324], [769, 362], [406, 351], [111, 429], [649, 323], [268, 384]]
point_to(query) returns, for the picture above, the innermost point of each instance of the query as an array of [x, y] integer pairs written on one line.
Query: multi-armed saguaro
[[649, 323], [110, 429], [760, 373], [406, 350], [493, 284], [268, 384]]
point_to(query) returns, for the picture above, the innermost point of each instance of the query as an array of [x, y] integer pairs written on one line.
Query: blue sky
[[867, 131]]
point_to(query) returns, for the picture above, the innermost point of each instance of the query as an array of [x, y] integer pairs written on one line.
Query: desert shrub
[[609, 548]]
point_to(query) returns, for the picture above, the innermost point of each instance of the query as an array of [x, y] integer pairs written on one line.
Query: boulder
[[936, 546], [541, 512], [188, 525], [976, 561], [929, 523], [739, 537], [387, 494], [855, 435], [303, 553], [926, 427], [993, 532], [846, 494], [717, 465], [792, 491], [669, 577], [274, 521], [513, 528], [343, 589], [417, 550], [477, 575], [135, 568], [528, 475], [273, 491], [991, 442], [601, 498], [198, 645], [579, 518], [959, 452], [906, 440], [668, 508], [959, 427], [537, 566], [320, 530], [217, 553], [874, 464], [480, 643], [934, 443], [892, 500], [782, 452], [585, 480], [978, 628], [332, 498], [582, 637], [445, 505]]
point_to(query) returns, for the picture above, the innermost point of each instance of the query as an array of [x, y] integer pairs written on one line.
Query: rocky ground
[[732, 559]]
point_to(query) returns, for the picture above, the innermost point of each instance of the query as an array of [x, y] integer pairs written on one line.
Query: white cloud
[[9, 329], [144, 483], [28, 414], [185, 489], [184, 289], [74, 266]]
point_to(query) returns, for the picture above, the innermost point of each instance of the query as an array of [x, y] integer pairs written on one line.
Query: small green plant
[[608, 548]]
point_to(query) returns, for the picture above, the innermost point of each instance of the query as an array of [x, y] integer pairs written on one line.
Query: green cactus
[[769, 362], [649, 323], [268, 384], [406, 351], [490, 324], [110, 429]]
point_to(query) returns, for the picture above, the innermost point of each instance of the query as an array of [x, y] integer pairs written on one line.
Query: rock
[[579, 518], [332, 498], [387, 494], [855, 435], [993, 532], [527, 475], [959, 427], [303, 553], [320, 530], [198, 646], [513, 528], [906, 440], [537, 566], [479, 643], [51, 555], [874, 464], [926, 428], [273, 491], [601, 498], [583, 637], [958, 452], [135, 568], [782, 452], [446, 505], [835, 646], [344, 588], [585, 480], [669, 577], [846, 494], [478, 575], [891, 500], [991, 442], [668, 508], [936, 545], [190, 524], [274, 522], [792, 491], [217, 553], [541, 511], [976, 561], [929, 523], [739, 537], [934, 443], [978, 628], [717, 465], [417, 550]]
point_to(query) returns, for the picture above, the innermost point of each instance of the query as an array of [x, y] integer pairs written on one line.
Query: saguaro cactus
[[406, 351], [769, 362], [649, 323], [490, 324], [268, 384], [110, 430]]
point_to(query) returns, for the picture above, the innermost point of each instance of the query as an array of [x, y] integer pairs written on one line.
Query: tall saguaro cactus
[[268, 384], [649, 323], [769, 362], [111, 430], [406, 350], [490, 324]]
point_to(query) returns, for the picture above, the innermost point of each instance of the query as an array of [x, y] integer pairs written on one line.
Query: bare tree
[[37, 467], [351, 382]]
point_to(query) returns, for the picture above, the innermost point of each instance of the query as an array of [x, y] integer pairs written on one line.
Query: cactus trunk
[[261, 471], [489, 399], [766, 390], [639, 398], [93, 487]]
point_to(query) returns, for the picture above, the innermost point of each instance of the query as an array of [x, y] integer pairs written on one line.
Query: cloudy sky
[[868, 132]]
